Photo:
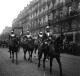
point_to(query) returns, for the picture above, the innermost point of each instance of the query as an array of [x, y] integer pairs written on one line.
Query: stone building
[[62, 15]]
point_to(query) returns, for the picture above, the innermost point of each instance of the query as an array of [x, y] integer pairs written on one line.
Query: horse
[[37, 43], [14, 45], [43, 49], [52, 49], [28, 45]]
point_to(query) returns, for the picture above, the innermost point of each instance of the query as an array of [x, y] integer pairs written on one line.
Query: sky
[[9, 9]]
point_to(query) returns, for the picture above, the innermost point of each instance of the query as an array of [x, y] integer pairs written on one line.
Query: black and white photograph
[[39, 37]]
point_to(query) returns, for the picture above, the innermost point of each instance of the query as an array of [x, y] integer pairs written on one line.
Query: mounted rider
[[40, 36], [46, 34], [12, 35], [28, 36]]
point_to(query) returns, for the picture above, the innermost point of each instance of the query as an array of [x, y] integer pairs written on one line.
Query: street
[[70, 65]]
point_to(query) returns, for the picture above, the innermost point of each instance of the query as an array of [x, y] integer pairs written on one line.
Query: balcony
[[73, 13], [59, 5], [68, 1]]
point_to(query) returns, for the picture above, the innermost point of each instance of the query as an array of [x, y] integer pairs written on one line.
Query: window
[[44, 19], [38, 4], [44, 8], [50, 16], [40, 20], [79, 6], [49, 6], [62, 1], [69, 10], [60, 13], [40, 11]]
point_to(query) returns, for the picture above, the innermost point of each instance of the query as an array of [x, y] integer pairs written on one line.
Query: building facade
[[63, 16]]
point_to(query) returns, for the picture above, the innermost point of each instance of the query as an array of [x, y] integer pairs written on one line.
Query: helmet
[[12, 32], [40, 34], [27, 32], [47, 28]]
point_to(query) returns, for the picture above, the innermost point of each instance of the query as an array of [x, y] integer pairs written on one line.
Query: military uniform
[[28, 36], [46, 34], [12, 35], [40, 36]]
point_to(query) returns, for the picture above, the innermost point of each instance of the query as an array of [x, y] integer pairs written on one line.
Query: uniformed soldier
[[40, 36], [28, 36], [46, 34], [12, 35], [46, 37]]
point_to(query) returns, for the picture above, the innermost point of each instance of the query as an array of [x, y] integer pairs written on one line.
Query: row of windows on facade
[[50, 4], [58, 12], [63, 10], [40, 11], [38, 4], [74, 26], [50, 16], [42, 20]]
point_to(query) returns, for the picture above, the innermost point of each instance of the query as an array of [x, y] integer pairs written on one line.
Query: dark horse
[[28, 45], [14, 45], [52, 49]]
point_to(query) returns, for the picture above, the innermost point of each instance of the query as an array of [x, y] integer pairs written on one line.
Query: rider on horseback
[[12, 35], [46, 34], [46, 38], [40, 37], [28, 36]]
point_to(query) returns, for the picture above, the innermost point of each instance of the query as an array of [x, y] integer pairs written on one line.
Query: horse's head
[[45, 44]]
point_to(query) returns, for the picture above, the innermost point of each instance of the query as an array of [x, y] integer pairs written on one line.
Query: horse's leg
[[10, 53], [24, 54], [16, 57], [51, 60], [12, 56], [59, 62], [39, 58], [44, 61], [29, 56]]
